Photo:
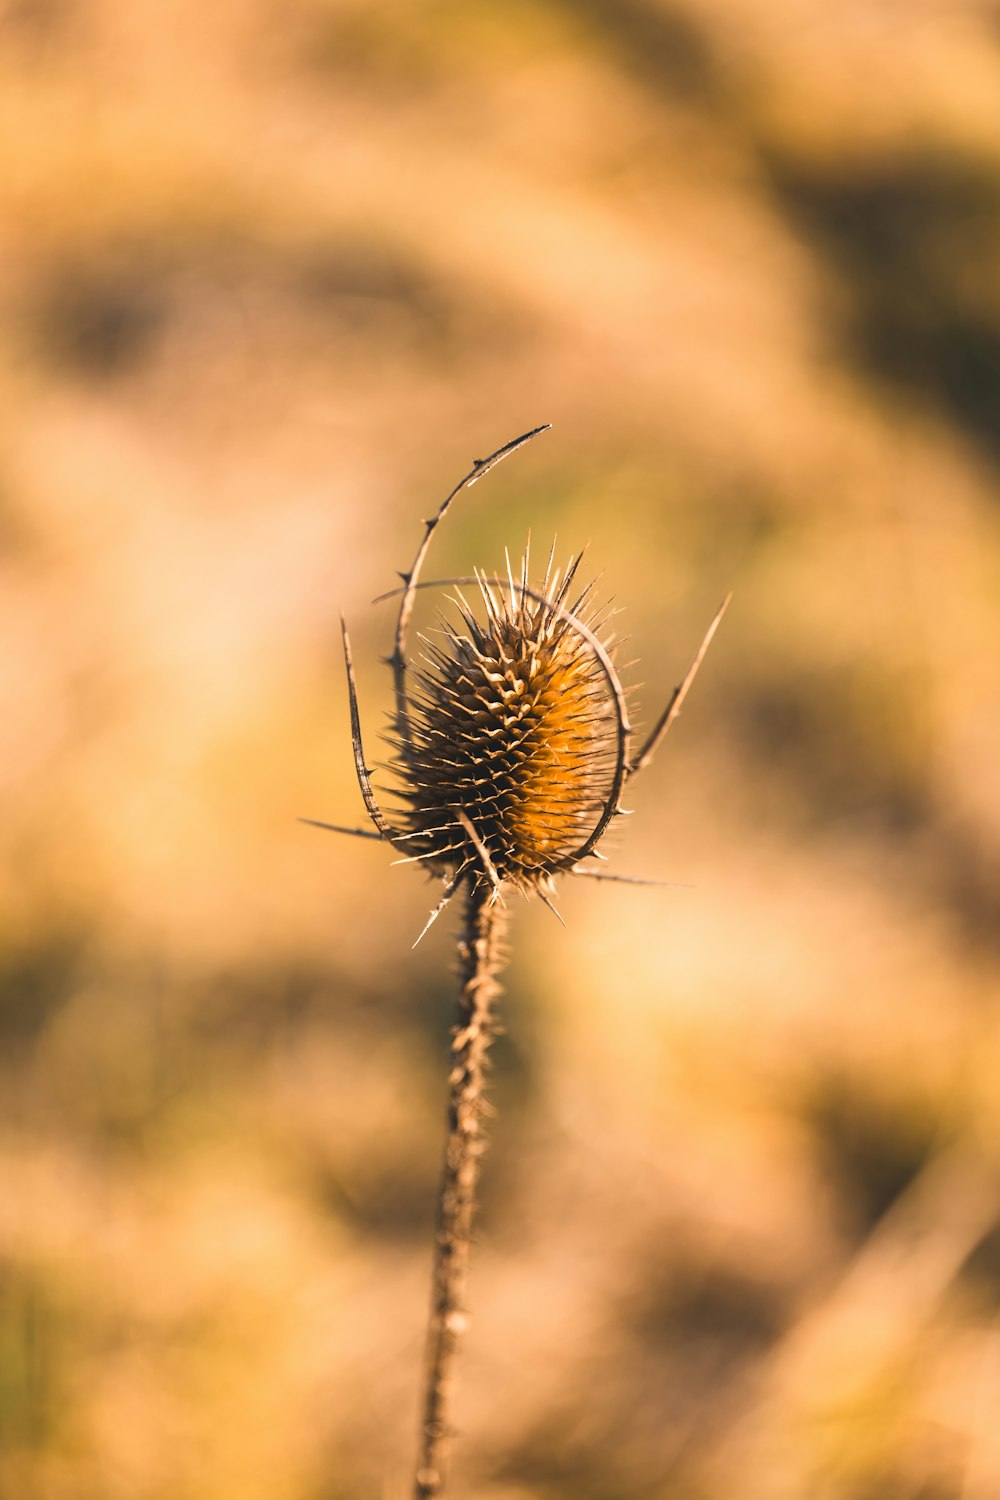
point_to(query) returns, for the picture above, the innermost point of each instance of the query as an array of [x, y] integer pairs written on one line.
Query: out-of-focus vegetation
[[271, 276]]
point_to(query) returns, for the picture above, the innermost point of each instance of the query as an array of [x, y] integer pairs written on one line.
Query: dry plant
[[512, 756]]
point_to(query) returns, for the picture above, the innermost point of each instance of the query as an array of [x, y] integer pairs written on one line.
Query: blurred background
[[271, 276]]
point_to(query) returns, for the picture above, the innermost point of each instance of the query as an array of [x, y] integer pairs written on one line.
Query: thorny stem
[[480, 958]]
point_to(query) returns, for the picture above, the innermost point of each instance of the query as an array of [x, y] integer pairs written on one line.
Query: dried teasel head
[[511, 749], [512, 754]]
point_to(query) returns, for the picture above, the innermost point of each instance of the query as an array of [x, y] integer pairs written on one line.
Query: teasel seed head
[[508, 753]]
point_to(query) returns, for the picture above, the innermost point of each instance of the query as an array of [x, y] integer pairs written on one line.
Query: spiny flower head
[[507, 753]]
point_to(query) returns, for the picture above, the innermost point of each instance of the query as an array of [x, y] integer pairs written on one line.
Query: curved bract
[[397, 660]]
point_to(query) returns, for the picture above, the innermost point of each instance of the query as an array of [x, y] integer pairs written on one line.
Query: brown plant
[[512, 757]]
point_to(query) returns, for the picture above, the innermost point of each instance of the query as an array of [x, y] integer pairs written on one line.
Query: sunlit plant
[[511, 754]]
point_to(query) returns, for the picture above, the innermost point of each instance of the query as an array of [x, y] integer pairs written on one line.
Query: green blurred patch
[[849, 741], [871, 1142], [36, 977], [914, 239], [980, 1274], [663, 47], [101, 316], [398, 49], [38, 1329], [719, 1315]]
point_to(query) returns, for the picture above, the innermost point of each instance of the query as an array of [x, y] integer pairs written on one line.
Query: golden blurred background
[[271, 276]]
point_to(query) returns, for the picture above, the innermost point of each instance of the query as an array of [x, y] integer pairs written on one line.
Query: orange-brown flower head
[[508, 754]]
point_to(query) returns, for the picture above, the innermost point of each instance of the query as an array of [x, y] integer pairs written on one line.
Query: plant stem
[[480, 957]]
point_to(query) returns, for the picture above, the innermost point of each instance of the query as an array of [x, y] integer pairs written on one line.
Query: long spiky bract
[[511, 750]]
